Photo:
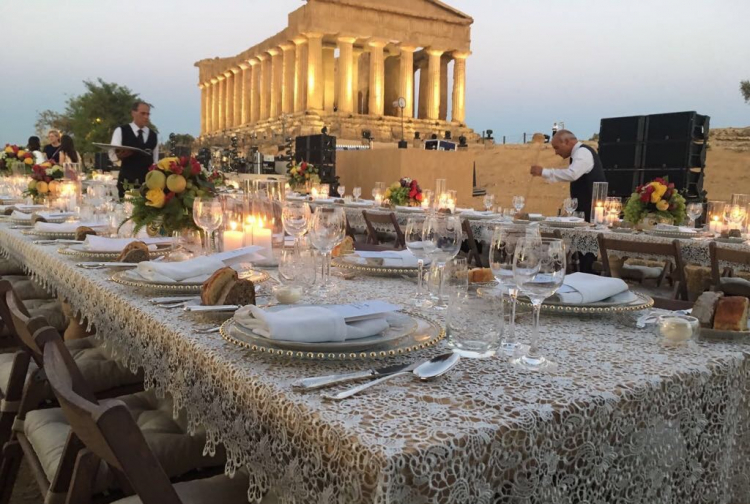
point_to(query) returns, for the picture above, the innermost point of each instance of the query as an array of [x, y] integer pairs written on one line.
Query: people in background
[[35, 147], [68, 155], [52, 149]]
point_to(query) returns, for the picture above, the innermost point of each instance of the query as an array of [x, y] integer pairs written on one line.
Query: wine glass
[[415, 245], [570, 205], [295, 217], [489, 202], [518, 203], [208, 215], [326, 231], [736, 216], [379, 188], [501, 254], [539, 271], [341, 190], [357, 192], [441, 237], [694, 211]]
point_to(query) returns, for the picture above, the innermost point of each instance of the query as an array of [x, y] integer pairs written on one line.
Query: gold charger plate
[[671, 234], [566, 225], [640, 302], [50, 234], [124, 278], [73, 250], [374, 269], [427, 333]]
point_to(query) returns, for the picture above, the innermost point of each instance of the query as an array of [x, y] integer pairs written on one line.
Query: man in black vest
[[134, 165], [585, 169]]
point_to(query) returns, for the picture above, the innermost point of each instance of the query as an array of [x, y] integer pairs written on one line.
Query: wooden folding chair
[[383, 218], [473, 254], [672, 252], [728, 283], [570, 256]]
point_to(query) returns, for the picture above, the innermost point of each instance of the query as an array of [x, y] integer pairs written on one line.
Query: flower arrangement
[[405, 192], [166, 198], [658, 199], [300, 174], [13, 155], [44, 179]]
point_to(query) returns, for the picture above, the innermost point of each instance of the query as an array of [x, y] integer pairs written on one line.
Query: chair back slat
[[21, 325], [474, 254], [106, 428], [383, 218], [719, 255]]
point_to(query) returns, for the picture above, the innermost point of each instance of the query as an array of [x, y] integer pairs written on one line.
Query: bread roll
[[134, 252], [83, 231], [240, 293], [343, 248], [213, 288], [731, 314], [705, 308], [481, 275]]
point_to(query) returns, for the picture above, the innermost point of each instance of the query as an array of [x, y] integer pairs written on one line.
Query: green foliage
[[174, 216], [49, 119], [745, 90], [400, 196]]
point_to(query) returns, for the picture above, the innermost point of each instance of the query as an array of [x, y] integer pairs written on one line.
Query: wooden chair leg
[[11, 464]]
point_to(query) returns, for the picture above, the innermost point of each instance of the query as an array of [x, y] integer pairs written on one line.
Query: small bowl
[[288, 294], [678, 329]]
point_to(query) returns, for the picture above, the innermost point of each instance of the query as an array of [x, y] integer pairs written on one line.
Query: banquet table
[[625, 419], [583, 240]]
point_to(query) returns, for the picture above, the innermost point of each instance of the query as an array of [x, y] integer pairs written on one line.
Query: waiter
[[134, 165], [585, 169]]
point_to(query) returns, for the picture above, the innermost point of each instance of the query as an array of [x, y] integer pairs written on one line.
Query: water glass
[[442, 236], [694, 211], [539, 271], [413, 238], [570, 205], [327, 230], [208, 215], [471, 323], [489, 202], [297, 267], [357, 193], [518, 203], [188, 243], [341, 190], [295, 217]]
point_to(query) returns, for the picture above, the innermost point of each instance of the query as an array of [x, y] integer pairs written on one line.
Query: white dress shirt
[[117, 140], [583, 162]]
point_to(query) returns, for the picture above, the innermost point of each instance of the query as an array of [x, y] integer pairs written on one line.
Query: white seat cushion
[[219, 489], [177, 452], [640, 272]]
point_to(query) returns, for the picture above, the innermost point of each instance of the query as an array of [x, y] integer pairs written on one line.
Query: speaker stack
[[320, 151], [635, 150]]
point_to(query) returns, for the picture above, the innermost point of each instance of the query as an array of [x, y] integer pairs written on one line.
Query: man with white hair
[[585, 169]]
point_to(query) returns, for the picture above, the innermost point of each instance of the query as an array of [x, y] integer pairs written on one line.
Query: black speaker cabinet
[[674, 154], [622, 183], [677, 126], [622, 129], [621, 156]]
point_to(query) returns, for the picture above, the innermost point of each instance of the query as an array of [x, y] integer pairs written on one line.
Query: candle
[[233, 238], [425, 203], [450, 204], [287, 294], [378, 200], [314, 193], [716, 226], [676, 329], [599, 213], [263, 237]]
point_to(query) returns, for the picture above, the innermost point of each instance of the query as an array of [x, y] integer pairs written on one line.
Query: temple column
[[229, 99], [287, 81], [444, 60], [459, 87], [422, 107], [277, 70], [433, 84], [406, 78], [245, 92], [315, 83], [356, 106], [265, 86], [237, 117], [377, 76], [300, 74], [254, 90], [222, 101], [214, 104], [329, 87], [346, 61], [203, 108]]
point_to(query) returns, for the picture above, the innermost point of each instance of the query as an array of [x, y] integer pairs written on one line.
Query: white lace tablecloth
[[626, 420], [578, 240]]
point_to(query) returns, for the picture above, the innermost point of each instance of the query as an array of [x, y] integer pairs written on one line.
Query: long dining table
[[624, 419]]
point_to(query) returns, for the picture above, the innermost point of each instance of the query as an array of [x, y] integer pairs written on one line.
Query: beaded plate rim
[[644, 302], [174, 287]]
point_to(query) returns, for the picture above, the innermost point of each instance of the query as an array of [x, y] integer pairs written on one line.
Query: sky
[[533, 62]]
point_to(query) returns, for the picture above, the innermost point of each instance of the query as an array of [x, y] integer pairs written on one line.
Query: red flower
[[650, 189], [196, 166], [670, 186], [176, 168], [645, 197], [15, 149], [169, 196], [183, 161], [48, 179], [303, 166], [152, 167], [639, 189], [419, 197]]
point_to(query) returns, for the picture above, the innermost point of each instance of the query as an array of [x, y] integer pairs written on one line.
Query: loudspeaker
[[622, 183], [619, 156], [622, 129], [674, 154], [102, 161], [315, 142], [689, 182], [677, 126]]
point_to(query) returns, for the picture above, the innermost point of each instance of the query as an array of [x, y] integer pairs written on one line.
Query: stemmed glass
[[326, 231], [501, 254], [570, 205], [694, 211], [736, 216], [413, 237], [539, 271], [357, 192], [208, 215], [489, 202], [341, 190], [441, 238], [518, 203], [295, 217]]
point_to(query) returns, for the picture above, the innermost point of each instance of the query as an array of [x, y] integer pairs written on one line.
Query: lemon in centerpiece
[[176, 183], [156, 179]]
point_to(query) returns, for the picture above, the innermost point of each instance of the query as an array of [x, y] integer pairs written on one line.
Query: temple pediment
[[425, 9]]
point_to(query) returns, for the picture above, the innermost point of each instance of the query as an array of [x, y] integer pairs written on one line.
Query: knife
[[318, 382], [215, 308]]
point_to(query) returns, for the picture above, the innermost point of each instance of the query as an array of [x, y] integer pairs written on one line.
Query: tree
[[92, 116], [49, 119], [745, 90]]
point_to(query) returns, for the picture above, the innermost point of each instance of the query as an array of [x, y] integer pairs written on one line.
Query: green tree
[[745, 90], [92, 116]]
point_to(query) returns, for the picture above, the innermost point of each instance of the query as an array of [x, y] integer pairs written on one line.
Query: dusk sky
[[534, 62]]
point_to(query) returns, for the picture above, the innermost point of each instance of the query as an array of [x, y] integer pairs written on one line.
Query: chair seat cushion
[[100, 371], [50, 309], [208, 491], [638, 272], [735, 287], [8, 267], [26, 288], [177, 452]]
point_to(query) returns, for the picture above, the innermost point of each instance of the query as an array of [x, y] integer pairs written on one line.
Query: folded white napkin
[[564, 219], [408, 208], [308, 324], [477, 213], [192, 270], [20, 216], [28, 208], [55, 215], [65, 227], [581, 288], [391, 258], [104, 244], [680, 229]]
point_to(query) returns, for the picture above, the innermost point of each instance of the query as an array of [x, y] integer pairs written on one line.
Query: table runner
[[626, 420]]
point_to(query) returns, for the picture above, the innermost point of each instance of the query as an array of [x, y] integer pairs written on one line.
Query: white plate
[[131, 278]]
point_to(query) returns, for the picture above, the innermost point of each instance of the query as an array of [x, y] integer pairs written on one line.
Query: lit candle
[[263, 237], [378, 199], [450, 204], [425, 203], [599, 213], [233, 238], [715, 226], [314, 193]]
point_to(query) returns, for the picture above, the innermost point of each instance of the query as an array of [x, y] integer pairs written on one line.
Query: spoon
[[437, 366]]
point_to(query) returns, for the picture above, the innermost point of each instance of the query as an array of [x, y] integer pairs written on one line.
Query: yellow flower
[[387, 193], [9, 150], [165, 164], [395, 185], [155, 198], [21, 152], [46, 164], [28, 161], [663, 205], [655, 197]]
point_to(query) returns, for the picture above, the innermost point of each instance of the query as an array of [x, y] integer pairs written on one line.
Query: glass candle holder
[[715, 216], [441, 185], [598, 201]]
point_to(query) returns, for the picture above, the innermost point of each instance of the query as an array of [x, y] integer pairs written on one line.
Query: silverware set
[[423, 370], [57, 242]]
